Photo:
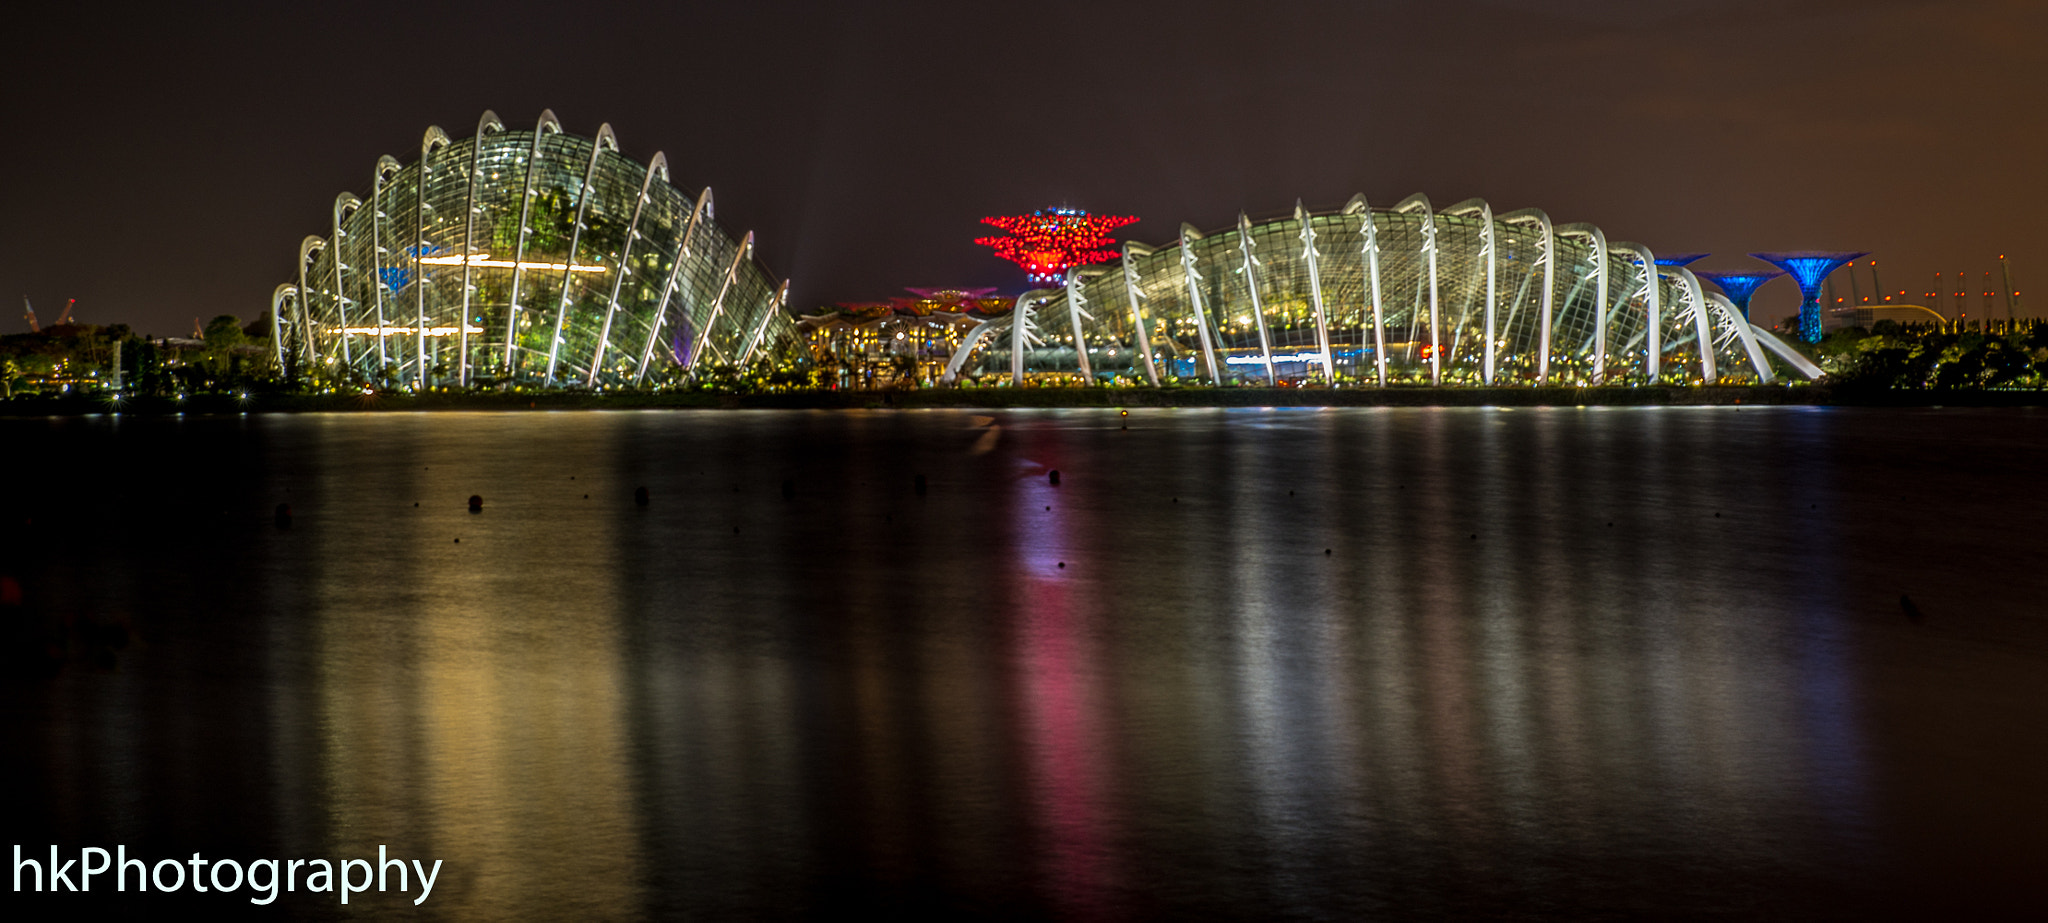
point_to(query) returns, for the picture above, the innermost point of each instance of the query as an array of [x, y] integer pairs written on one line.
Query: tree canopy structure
[[1050, 241]]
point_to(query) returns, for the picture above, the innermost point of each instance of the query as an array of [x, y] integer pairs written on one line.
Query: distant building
[[902, 341]]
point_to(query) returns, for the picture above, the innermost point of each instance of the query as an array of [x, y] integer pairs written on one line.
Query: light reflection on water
[[1554, 661]]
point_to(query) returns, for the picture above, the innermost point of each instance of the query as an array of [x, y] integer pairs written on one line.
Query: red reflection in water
[[1061, 708]]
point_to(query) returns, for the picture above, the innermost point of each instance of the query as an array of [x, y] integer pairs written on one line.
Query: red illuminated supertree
[[1050, 240]]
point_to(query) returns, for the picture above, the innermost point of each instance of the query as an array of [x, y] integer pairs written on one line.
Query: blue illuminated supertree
[[1810, 268], [1679, 259], [1738, 285]]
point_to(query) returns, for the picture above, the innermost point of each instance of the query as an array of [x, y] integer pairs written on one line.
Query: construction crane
[[2012, 298], [65, 317], [33, 327]]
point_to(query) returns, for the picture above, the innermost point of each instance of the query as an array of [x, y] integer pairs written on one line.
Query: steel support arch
[[345, 206], [547, 124], [1547, 249], [1315, 287], [277, 327], [434, 140], [308, 246], [1487, 248], [387, 167], [732, 273], [1020, 334], [966, 346], [1799, 363], [1428, 252], [605, 140], [1750, 348], [1370, 253], [703, 209], [656, 164], [1703, 328], [1075, 299], [775, 304], [1652, 304], [489, 120], [1188, 235], [1251, 284], [1131, 253], [1597, 241]]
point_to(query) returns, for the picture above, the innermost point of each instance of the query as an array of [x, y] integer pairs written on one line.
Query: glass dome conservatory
[[531, 258], [1377, 296]]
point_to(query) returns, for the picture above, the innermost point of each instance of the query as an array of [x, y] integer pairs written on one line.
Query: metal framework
[[1546, 259], [1487, 252], [1597, 259], [658, 164], [702, 211], [1077, 301], [488, 122], [345, 205], [434, 140], [1313, 259], [1251, 278], [584, 193], [277, 299], [1416, 295], [1133, 251], [1193, 277], [1647, 290], [568, 263]]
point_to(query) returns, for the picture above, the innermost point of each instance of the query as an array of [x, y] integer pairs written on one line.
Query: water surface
[[1276, 664]]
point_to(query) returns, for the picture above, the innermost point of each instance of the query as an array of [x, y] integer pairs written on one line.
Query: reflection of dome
[[498, 269], [1408, 294]]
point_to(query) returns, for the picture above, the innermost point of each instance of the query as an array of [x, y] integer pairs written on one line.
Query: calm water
[[1297, 664]]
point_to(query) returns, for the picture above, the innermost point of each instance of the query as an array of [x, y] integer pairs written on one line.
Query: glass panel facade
[[515, 258], [1581, 322]]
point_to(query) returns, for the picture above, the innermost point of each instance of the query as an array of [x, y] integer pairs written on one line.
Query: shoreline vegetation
[[71, 370], [1819, 394]]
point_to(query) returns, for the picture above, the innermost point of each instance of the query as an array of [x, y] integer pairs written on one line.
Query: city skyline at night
[[1864, 139], [1329, 459]]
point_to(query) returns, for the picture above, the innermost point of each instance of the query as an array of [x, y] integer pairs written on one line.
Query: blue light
[[1810, 268], [1738, 286]]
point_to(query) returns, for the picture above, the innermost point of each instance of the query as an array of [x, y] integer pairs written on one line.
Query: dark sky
[[163, 163]]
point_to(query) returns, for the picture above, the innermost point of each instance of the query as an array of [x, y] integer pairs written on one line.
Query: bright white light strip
[[1316, 358], [484, 259], [400, 331]]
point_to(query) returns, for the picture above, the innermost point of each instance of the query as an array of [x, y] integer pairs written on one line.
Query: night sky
[[164, 162]]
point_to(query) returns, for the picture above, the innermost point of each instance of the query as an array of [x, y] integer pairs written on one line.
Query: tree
[[222, 335], [224, 332]]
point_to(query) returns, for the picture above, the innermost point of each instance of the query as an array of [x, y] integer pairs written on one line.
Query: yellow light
[[397, 331], [484, 259]]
